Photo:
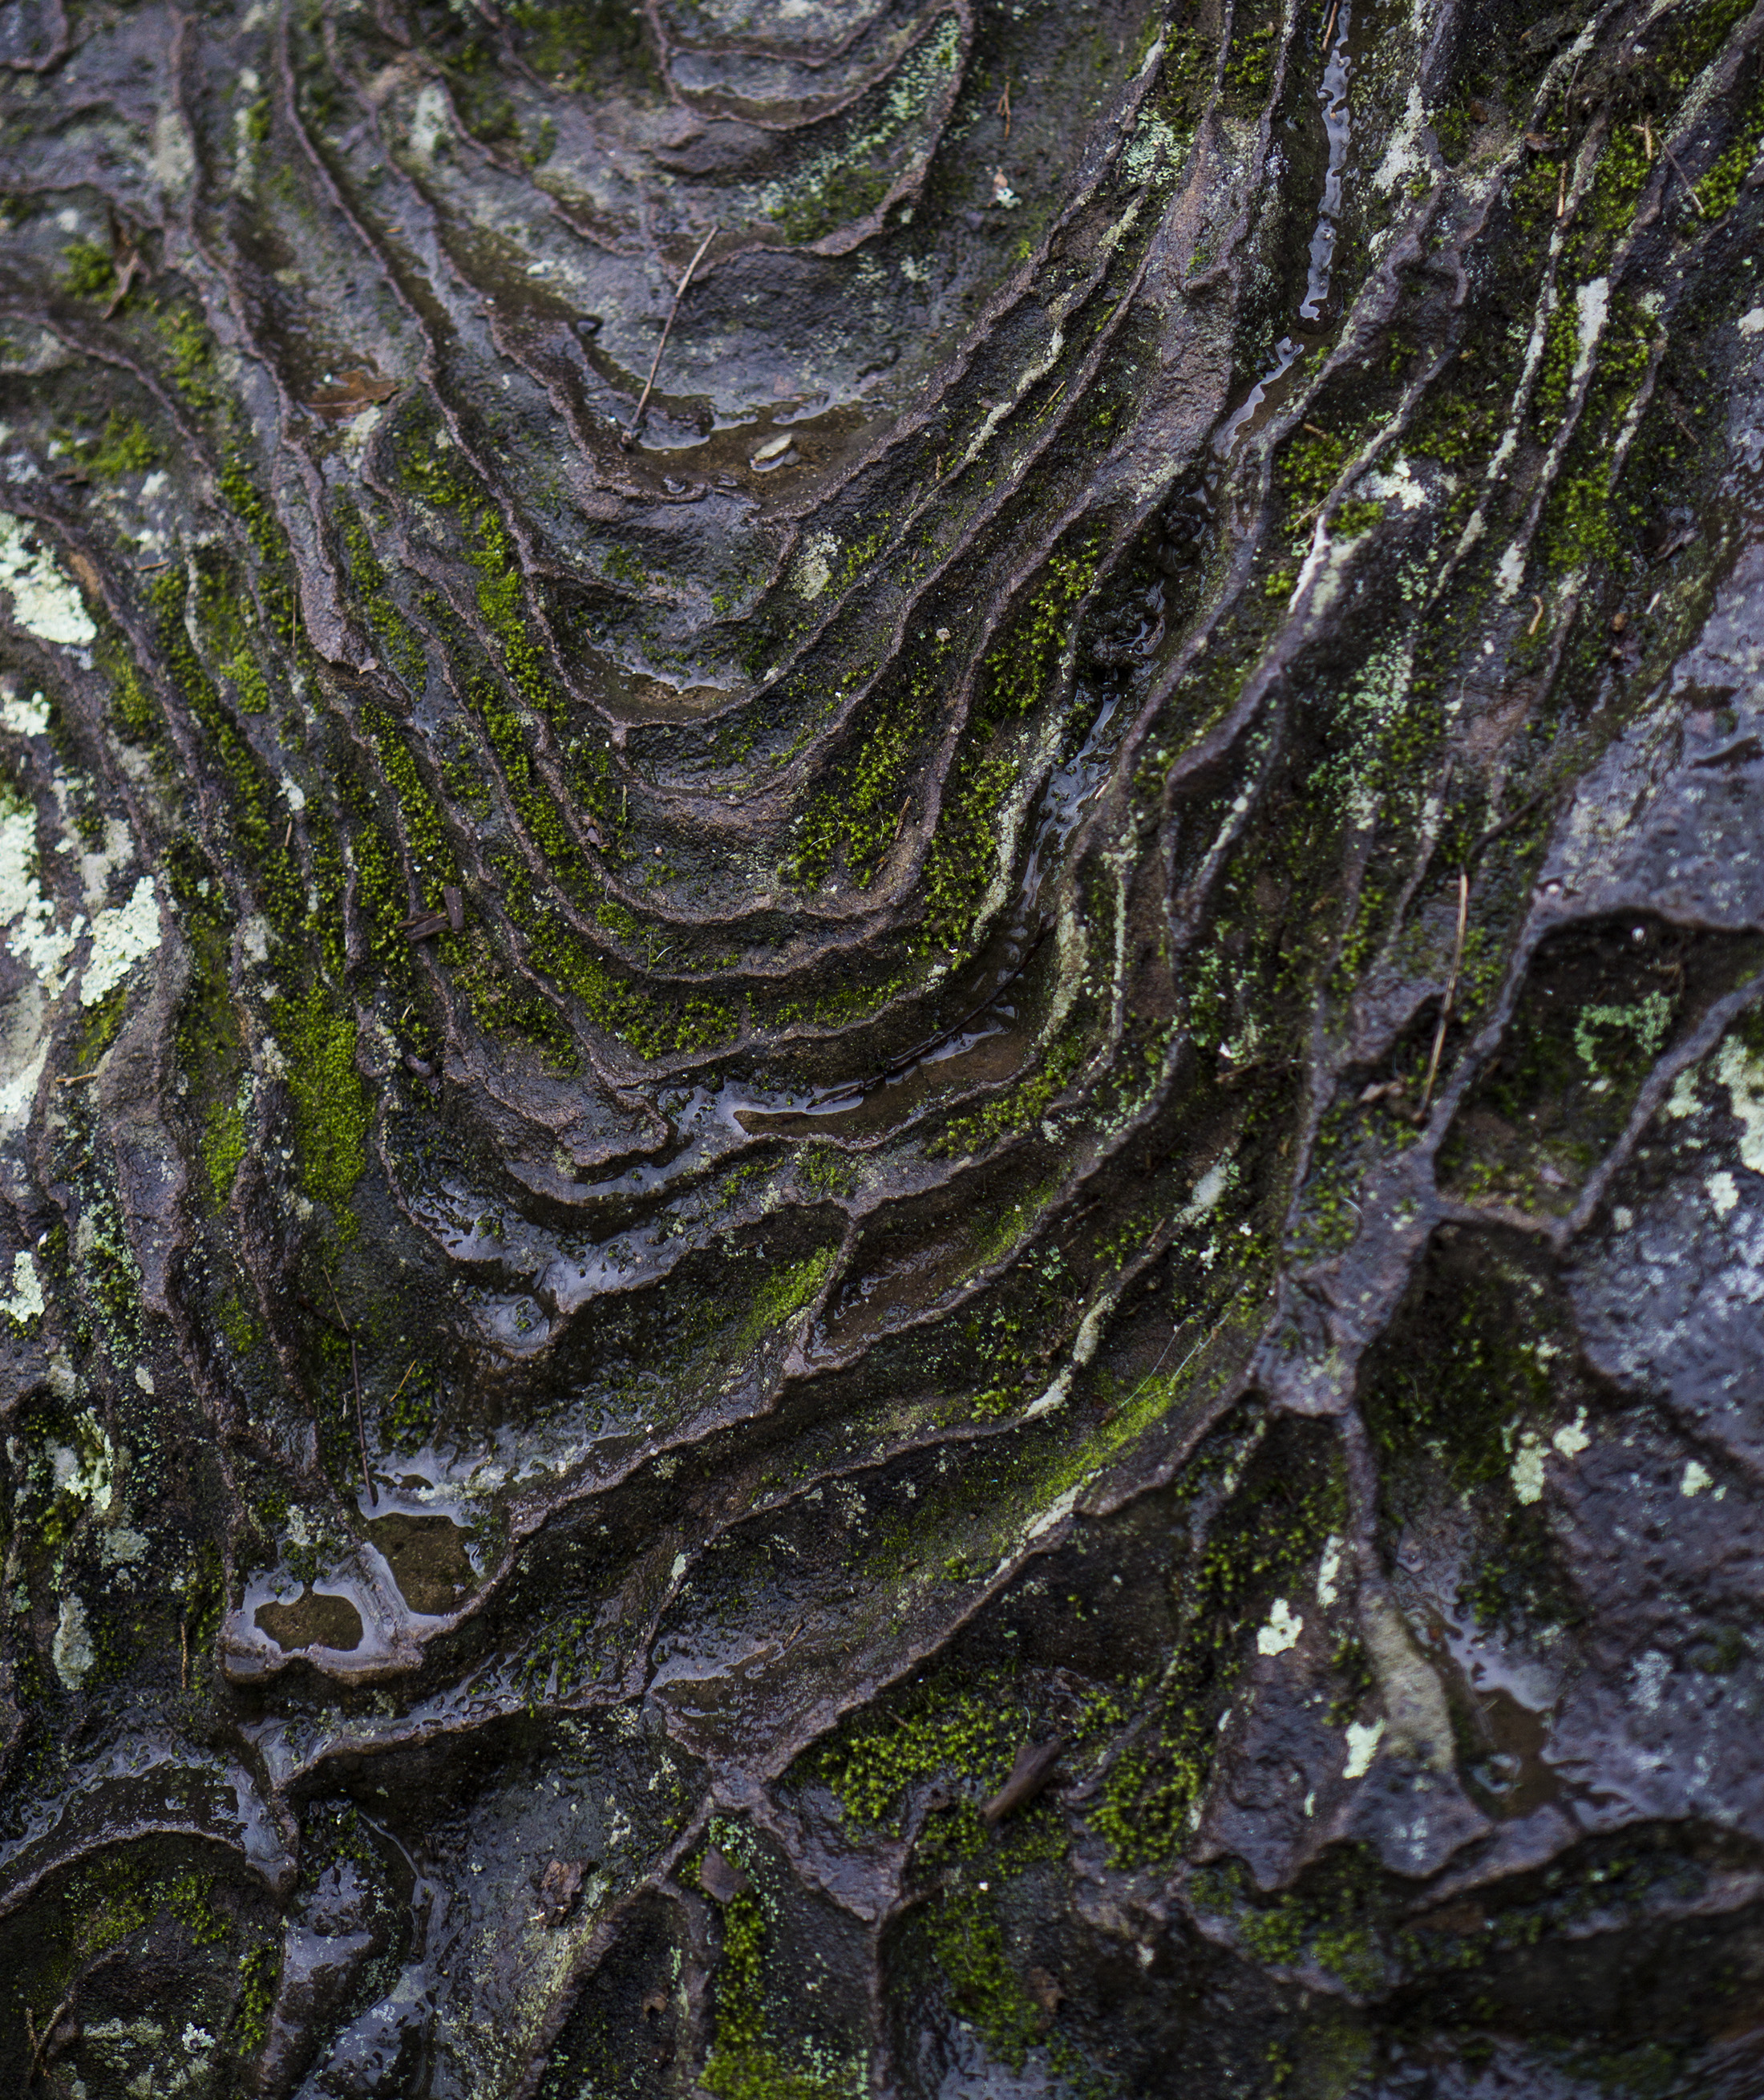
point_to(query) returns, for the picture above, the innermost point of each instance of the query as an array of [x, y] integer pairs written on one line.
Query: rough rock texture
[[901, 1232]]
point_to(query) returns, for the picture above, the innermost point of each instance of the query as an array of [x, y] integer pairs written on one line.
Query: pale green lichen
[[120, 938], [1742, 1073], [25, 1301], [830, 189], [44, 602]]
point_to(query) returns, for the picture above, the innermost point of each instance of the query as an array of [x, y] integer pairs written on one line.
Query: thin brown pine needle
[[630, 439]]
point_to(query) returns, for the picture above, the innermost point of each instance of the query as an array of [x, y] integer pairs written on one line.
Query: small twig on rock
[[1672, 159], [401, 1384], [1451, 989], [354, 1377], [123, 240], [630, 439], [40, 2042], [425, 925]]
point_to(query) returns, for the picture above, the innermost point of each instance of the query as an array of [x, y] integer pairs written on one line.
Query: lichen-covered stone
[[882, 1131]]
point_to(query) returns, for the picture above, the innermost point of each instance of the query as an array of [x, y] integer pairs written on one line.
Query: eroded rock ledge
[[893, 1223]]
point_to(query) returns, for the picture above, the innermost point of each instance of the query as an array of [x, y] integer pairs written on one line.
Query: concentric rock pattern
[[1029, 1041]]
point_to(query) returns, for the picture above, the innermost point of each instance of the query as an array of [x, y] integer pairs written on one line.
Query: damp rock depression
[[882, 1050]]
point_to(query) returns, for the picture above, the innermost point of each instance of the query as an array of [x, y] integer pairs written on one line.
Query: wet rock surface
[[883, 1139]]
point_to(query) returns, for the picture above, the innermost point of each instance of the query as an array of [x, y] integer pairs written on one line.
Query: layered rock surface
[[891, 1220]]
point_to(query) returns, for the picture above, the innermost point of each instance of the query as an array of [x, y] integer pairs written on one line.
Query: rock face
[[882, 1075]]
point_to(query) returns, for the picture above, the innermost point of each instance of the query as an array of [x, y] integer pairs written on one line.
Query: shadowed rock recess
[[898, 1229]]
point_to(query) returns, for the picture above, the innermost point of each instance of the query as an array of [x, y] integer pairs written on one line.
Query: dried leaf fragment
[[349, 394], [1030, 1773], [720, 1878], [559, 1887], [1044, 1988]]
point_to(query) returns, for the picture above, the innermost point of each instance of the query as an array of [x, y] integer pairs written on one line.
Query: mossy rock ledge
[[881, 1050]]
